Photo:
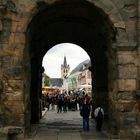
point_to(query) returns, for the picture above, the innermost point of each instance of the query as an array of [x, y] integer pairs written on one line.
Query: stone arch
[[106, 34], [108, 7], [23, 15], [111, 9]]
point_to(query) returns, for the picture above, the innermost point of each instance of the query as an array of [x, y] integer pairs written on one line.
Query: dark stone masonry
[[108, 30]]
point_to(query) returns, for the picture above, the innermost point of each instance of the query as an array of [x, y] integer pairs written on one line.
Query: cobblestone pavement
[[67, 126]]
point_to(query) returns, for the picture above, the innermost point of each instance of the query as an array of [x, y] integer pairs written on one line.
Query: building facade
[[81, 78]]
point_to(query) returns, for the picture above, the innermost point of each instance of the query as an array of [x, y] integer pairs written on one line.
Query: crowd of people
[[64, 101], [73, 101]]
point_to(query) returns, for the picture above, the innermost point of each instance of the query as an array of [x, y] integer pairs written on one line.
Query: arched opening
[[55, 57], [84, 25], [66, 70]]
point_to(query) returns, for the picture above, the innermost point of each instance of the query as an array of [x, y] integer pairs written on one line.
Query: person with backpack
[[99, 116]]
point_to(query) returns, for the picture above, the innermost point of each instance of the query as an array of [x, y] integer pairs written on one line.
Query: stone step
[[74, 128]]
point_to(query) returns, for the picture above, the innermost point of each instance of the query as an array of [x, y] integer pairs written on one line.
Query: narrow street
[[67, 126]]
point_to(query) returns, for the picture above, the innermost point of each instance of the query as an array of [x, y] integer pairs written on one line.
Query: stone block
[[125, 16], [16, 104], [125, 95], [127, 57], [4, 49], [15, 130], [14, 119], [139, 70], [125, 135], [7, 24], [138, 135], [136, 132], [139, 64], [130, 27], [1, 26], [127, 71], [17, 96], [22, 26], [119, 24], [137, 94], [127, 120], [19, 109], [6, 62], [119, 4], [20, 119], [126, 84], [16, 85], [20, 38], [129, 105], [121, 35], [11, 132], [14, 72], [4, 37], [14, 26], [125, 105], [115, 16], [3, 134]]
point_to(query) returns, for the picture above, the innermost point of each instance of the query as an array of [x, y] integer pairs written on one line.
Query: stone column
[[138, 25], [138, 78], [11, 76], [125, 102]]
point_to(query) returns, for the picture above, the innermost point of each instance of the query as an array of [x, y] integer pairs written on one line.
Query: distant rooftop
[[80, 66], [58, 82]]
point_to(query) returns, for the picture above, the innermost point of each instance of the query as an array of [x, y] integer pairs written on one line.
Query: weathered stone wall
[[13, 104], [11, 74], [138, 77], [124, 68], [122, 86], [126, 104]]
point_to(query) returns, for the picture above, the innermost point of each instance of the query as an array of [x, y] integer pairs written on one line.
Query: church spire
[[65, 68], [65, 62]]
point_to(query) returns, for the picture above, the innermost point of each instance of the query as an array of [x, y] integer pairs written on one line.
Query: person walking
[[60, 99], [85, 113], [99, 116]]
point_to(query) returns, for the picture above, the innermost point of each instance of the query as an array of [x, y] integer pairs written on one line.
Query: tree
[[46, 80]]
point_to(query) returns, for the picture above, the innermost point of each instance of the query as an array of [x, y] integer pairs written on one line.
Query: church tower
[[65, 68]]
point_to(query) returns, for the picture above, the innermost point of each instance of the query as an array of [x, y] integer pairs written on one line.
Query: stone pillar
[[138, 25], [12, 103], [138, 79], [11, 95], [125, 101]]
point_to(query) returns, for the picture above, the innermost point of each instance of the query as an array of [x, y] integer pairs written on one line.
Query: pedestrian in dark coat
[[85, 113]]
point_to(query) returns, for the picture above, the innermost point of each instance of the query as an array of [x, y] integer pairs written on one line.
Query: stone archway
[[21, 57], [86, 26]]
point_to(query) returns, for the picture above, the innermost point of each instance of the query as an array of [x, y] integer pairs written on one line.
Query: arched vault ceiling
[[79, 23]]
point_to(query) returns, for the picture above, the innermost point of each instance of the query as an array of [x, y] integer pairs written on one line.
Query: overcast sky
[[55, 57]]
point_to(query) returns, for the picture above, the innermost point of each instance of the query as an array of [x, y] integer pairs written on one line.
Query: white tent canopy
[[85, 86]]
